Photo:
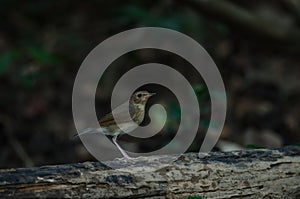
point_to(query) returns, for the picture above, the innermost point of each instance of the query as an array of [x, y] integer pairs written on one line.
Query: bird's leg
[[126, 156]]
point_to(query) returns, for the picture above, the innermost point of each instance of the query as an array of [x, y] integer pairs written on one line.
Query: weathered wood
[[241, 174]]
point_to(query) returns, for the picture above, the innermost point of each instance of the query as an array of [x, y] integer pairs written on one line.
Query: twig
[[15, 144]]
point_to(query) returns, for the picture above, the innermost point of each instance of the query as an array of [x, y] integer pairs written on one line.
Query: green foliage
[[27, 80], [201, 92], [175, 112], [170, 19], [37, 62], [202, 97], [6, 59], [222, 28], [41, 56]]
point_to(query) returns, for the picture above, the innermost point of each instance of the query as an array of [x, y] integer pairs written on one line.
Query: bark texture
[[241, 174]]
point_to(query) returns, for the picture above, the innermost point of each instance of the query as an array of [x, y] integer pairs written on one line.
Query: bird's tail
[[86, 131]]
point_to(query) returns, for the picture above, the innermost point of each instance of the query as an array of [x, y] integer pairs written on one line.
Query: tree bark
[[241, 174]]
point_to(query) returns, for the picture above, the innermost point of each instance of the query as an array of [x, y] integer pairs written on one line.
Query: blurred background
[[256, 46]]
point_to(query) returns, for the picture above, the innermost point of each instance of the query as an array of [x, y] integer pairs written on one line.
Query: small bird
[[108, 126]]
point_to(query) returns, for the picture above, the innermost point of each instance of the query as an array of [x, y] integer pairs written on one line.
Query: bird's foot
[[127, 158], [203, 155]]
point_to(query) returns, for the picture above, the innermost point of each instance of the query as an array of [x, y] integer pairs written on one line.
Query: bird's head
[[140, 97]]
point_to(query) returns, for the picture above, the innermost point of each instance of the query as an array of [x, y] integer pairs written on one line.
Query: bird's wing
[[121, 112], [108, 123]]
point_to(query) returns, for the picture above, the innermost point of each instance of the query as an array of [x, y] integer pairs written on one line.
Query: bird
[[108, 125]]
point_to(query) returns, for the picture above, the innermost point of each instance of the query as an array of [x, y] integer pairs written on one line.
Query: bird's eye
[[139, 95]]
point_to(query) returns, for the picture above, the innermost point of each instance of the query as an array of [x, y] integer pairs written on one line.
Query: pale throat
[[137, 112]]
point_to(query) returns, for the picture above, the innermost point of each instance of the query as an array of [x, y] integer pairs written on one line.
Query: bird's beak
[[151, 94]]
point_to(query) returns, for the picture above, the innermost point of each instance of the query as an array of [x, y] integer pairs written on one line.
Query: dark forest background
[[255, 44]]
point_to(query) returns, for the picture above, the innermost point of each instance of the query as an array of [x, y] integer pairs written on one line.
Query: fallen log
[[241, 174]]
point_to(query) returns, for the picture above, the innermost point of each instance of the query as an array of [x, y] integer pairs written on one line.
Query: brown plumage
[[108, 125]]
